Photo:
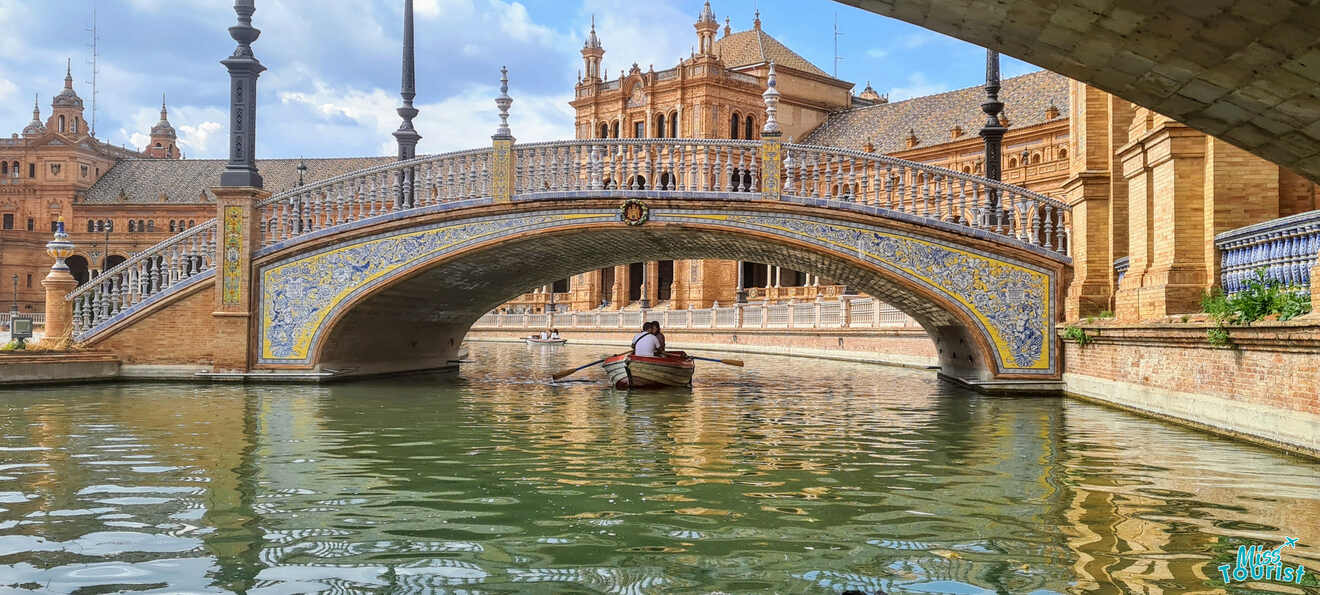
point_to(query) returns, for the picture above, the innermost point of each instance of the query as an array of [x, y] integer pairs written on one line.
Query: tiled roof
[[188, 181], [932, 118], [755, 46]]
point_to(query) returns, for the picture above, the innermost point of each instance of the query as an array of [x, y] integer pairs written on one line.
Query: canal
[[789, 475]]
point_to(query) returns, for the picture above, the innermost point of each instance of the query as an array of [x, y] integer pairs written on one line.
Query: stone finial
[[771, 97], [727, 28], [503, 102], [869, 146], [707, 15], [60, 247], [592, 42], [1052, 111], [911, 140], [956, 131]]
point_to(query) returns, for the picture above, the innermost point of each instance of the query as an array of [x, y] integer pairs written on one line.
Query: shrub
[[13, 346], [1262, 297], [1078, 334]]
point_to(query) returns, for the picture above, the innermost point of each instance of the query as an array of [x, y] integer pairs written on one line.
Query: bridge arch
[[400, 297]]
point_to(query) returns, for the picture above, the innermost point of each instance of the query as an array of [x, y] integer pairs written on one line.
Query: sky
[[332, 83]]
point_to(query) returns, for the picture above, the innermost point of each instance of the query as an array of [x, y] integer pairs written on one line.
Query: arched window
[[157, 145], [1063, 153], [604, 130], [172, 226], [1012, 161], [151, 226], [660, 126], [13, 170], [190, 224], [132, 226], [4, 168], [73, 125], [673, 125], [751, 125], [733, 125], [61, 121], [91, 226], [614, 130], [1035, 158], [100, 225], [141, 226]]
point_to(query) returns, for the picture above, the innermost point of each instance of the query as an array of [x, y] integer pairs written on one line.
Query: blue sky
[[333, 77]]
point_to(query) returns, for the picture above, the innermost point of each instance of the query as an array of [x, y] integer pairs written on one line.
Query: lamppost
[[92, 255], [14, 307], [109, 225]]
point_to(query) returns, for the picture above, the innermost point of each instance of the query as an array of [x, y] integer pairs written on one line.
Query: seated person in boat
[[646, 330], [545, 335], [655, 330], [554, 333], [649, 344]]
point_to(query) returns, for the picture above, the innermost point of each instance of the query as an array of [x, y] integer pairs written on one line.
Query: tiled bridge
[[384, 270]]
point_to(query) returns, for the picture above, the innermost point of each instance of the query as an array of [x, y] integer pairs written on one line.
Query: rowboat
[[540, 341], [634, 371]]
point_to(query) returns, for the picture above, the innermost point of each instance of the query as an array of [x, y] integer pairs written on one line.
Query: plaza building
[[715, 93]]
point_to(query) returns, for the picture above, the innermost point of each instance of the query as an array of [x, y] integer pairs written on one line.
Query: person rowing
[[648, 343]]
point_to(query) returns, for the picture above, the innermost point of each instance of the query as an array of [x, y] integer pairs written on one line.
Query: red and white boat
[[634, 371]]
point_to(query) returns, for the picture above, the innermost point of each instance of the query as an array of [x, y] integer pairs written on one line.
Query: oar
[[727, 362], [566, 372]]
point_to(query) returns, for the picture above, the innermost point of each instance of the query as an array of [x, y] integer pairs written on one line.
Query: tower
[[35, 127], [592, 52], [164, 142], [66, 116], [706, 27]]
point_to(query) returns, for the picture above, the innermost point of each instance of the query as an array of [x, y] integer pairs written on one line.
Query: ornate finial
[[36, 107], [503, 102], [59, 248], [592, 42], [756, 15], [302, 170], [707, 15], [727, 29], [163, 112], [1052, 111], [406, 135], [771, 97], [68, 74]]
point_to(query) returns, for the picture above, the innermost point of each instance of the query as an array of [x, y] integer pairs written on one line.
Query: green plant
[[14, 345], [1106, 314], [1078, 334], [1217, 336], [1260, 298]]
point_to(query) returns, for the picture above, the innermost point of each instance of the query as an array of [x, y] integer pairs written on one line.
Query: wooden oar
[[566, 372], [727, 362]]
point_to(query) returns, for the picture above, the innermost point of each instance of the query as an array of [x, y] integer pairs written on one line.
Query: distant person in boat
[[554, 333], [649, 343], [545, 335], [646, 330], [655, 330]]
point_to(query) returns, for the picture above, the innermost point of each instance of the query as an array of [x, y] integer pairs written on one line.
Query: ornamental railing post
[[772, 158], [502, 164], [845, 312]]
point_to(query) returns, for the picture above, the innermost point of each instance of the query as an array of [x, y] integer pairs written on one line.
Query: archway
[[422, 286], [78, 268]]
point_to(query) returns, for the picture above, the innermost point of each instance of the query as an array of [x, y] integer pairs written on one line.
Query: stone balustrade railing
[[844, 312], [38, 318], [1286, 248], [677, 169], [1120, 269], [143, 277]]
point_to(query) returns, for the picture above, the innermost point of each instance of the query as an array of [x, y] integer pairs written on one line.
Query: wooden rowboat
[[633, 371], [540, 341]]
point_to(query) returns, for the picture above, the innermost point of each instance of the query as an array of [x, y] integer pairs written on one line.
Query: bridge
[[384, 270]]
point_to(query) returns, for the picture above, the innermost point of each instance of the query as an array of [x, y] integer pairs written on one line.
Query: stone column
[[619, 292], [741, 297], [234, 300], [647, 285], [1097, 127], [58, 283], [1177, 273]]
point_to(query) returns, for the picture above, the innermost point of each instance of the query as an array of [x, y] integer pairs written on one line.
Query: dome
[[35, 127], [68, 97], [707, 15], [163, 128]]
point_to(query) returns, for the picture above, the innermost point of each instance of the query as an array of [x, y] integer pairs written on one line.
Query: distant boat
[[628, 371], [540, 341]]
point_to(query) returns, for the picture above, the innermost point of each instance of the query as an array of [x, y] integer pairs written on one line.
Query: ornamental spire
[[503, 102], [771, 97], [244, 68], [406, 135]]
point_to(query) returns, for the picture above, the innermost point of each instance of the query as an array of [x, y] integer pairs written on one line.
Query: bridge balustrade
[[678, 169], [146, 276], [1285, 248]]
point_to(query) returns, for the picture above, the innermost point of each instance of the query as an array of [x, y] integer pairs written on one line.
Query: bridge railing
[[843, 312], [143, 277], [1286, 248]]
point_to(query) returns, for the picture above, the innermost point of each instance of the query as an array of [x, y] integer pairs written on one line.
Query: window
[[1063, 153], [32, 170], [157, 145], [61, 122], [132, 226], [614, 133], [660, 126], [4, 168], [84, 171], [604, 130], [32, 224], [639, 129], [73, 125], [14, 170], [171, 226], [140, 226], [733, 125], [9, 221], [29, 280], [751, 126], [190, 224], [54, 225], [100, 225], [151, 226], [91, 226]]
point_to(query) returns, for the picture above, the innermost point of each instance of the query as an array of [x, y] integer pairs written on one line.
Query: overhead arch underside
[[403, 299]]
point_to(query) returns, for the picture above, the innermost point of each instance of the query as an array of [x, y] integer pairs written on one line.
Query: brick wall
[[179, 331], [1264, 388]]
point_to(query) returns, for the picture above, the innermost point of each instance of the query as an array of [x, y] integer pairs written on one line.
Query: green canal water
[[791, 475]]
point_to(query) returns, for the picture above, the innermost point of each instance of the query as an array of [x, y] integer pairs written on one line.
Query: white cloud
[[877, 53], [917, 85], [7, 89]]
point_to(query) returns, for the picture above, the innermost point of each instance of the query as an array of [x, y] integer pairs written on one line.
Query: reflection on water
[[789, 475]]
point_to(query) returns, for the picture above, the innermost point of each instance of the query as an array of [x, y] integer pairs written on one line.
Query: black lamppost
[[14, 307], [244, 68], [302, 170], [105, 262]]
